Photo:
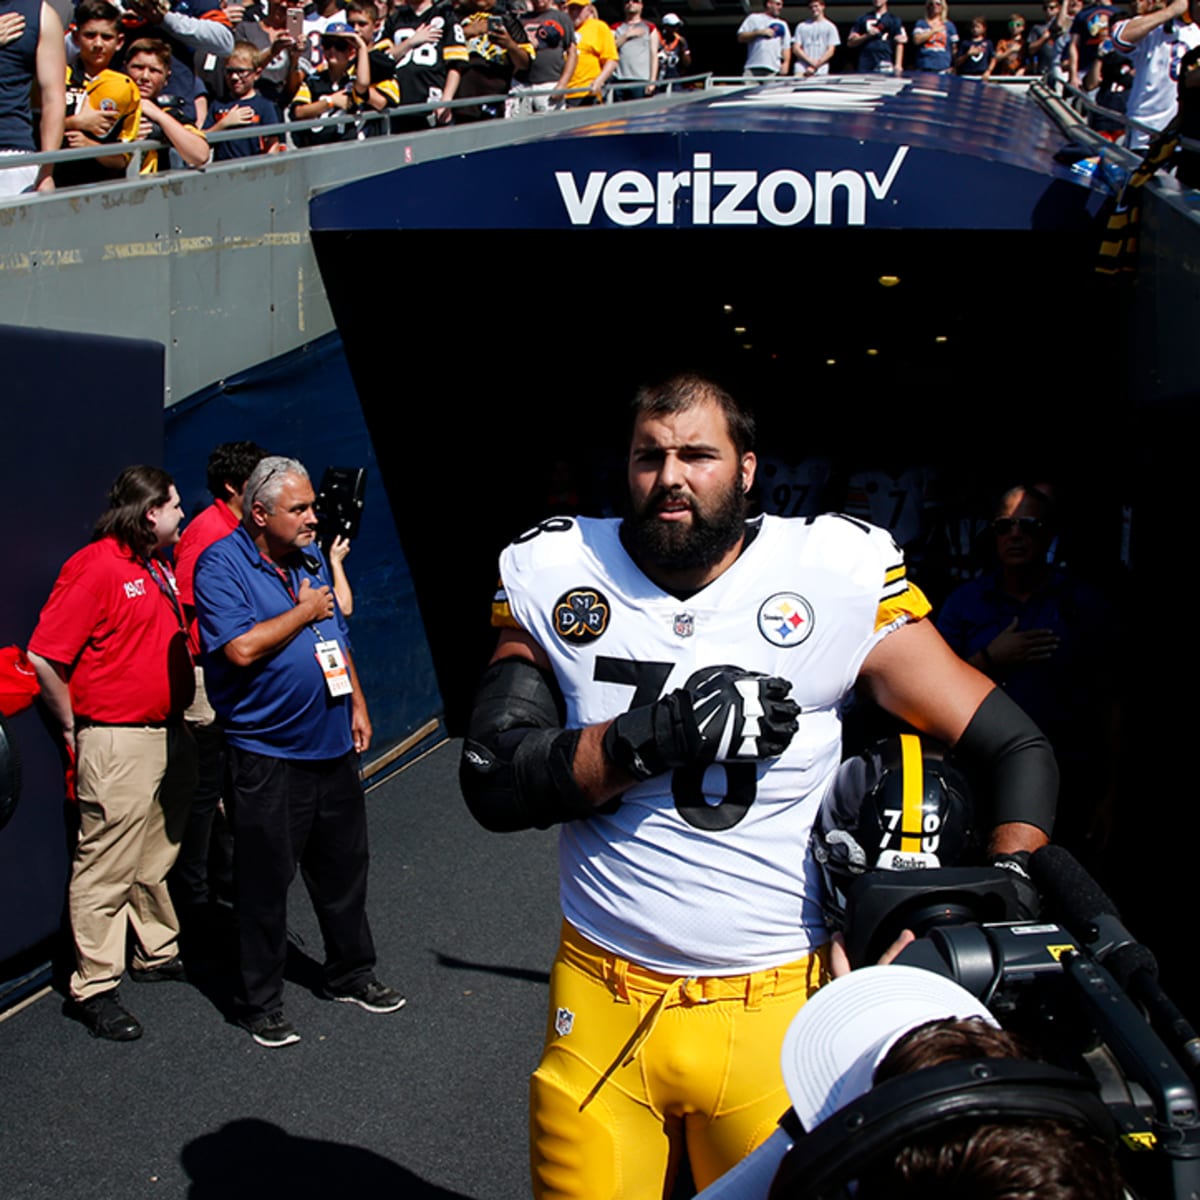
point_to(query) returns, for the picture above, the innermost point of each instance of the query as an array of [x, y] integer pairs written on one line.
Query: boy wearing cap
[[353, 80], [674, 56]]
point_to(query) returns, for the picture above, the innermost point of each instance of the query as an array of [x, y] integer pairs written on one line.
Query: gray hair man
[[282, 680]]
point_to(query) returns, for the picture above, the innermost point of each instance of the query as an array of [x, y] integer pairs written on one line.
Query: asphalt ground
[[426, 1102]]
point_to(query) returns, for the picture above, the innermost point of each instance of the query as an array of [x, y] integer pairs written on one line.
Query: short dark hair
[[231, 463], [152, 46], [363, 6], [136, 491], [1049, 1159], [681, 392], [96, 10]]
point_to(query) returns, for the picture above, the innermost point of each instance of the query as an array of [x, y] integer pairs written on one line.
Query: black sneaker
[[105, 1017], [168, 972], [372, 995], [272, 1031]]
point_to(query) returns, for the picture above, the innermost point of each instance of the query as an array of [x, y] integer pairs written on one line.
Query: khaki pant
[[134, 786]]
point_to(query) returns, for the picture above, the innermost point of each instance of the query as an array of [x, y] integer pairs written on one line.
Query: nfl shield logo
[[685, 624], [564, 1021]]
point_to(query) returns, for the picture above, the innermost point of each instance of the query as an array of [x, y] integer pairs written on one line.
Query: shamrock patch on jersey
[[785, 619], [581, 615]]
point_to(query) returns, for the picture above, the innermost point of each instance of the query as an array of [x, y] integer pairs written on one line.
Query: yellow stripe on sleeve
[[910, 603], [502, 617]]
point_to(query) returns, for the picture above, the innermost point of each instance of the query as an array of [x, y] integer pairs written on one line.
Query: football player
[[668, 689]]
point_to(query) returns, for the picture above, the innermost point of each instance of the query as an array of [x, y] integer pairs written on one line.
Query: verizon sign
[[710, 196]]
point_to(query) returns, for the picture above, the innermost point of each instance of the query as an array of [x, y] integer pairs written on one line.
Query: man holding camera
[[282, 681]]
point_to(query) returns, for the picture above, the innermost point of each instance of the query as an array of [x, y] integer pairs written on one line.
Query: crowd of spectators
[[176, 74]]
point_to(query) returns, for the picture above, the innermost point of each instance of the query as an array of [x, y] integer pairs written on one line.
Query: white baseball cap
[[842, 1034]]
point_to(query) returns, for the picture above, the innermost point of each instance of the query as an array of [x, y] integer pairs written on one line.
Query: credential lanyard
[[166, 585]]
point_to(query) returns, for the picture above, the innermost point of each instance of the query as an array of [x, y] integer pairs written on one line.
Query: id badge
[[333, 667]]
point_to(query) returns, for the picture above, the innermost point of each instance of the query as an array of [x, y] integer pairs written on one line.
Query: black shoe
[[372, 995], [105, 1017], [272, 1031], [169, 972]]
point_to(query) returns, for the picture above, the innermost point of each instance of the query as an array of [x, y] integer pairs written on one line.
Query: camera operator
[[885, 1023], [877, 1030]]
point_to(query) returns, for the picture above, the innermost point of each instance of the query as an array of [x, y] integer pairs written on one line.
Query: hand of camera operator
[[839, 959]]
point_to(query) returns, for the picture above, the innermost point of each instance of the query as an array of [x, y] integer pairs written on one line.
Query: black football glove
[[1029, 903], [724, 714]]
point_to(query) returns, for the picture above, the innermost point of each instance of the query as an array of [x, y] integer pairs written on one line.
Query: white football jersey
[[706, 871]]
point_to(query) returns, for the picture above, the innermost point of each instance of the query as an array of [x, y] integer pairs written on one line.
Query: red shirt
[[119, 635], [214, 523]]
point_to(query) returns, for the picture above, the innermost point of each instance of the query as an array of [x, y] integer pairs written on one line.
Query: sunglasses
[[1026, 525]]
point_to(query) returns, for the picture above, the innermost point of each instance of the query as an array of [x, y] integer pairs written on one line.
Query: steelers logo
[[581, 615], [785, 619]]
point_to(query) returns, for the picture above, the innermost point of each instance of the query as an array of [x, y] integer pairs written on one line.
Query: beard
[[687, 545]]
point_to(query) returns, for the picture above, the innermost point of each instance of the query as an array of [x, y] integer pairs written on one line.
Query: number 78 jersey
[[705, 870]]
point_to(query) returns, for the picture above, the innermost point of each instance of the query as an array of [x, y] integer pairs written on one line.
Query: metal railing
[[359, 121]]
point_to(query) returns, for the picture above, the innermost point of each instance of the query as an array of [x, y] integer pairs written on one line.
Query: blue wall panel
[[68, 434]]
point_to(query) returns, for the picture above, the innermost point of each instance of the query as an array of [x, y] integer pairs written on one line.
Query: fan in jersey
[[668, 689], [1157, 41], [497, 48], [148, 64], [103, 106], [430, 51], [353, 80]]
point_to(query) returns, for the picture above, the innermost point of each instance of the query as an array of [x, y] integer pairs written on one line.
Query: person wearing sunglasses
[[1053, 644]]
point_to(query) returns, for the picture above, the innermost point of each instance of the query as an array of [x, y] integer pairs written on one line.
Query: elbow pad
[[516, 770], [1004, 743]]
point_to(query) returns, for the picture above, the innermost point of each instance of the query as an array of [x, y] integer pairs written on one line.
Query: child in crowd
[[1010, 51], [353, 80], [975, 58], [103, 106], [246, 107], [148, 64]]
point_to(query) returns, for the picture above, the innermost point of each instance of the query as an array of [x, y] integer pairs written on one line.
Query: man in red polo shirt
[[192, 889], [111, 655]]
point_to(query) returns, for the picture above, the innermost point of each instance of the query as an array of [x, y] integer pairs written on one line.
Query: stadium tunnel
[[880, 266]]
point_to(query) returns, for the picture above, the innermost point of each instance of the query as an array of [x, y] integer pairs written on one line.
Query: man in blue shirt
[[282, 680]]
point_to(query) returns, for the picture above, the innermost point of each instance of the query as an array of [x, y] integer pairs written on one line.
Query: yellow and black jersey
[[421, 71], [109, 92], [319, 85]]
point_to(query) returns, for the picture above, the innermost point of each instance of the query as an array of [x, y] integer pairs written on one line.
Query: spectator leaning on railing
[[103, 105], [32, 43], [148, 64], [598, 55], [1157, 43]]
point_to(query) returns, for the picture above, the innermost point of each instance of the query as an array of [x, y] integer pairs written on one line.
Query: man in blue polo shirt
[[282, 680]]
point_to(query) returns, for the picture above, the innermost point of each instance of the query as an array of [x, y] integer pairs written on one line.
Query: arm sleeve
[[200, 34], [1013, 751]]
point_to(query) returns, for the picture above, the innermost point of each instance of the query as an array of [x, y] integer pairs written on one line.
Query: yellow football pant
[[638, 1064]]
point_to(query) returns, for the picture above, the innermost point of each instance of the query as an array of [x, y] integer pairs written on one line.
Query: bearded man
[[668, 689]]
